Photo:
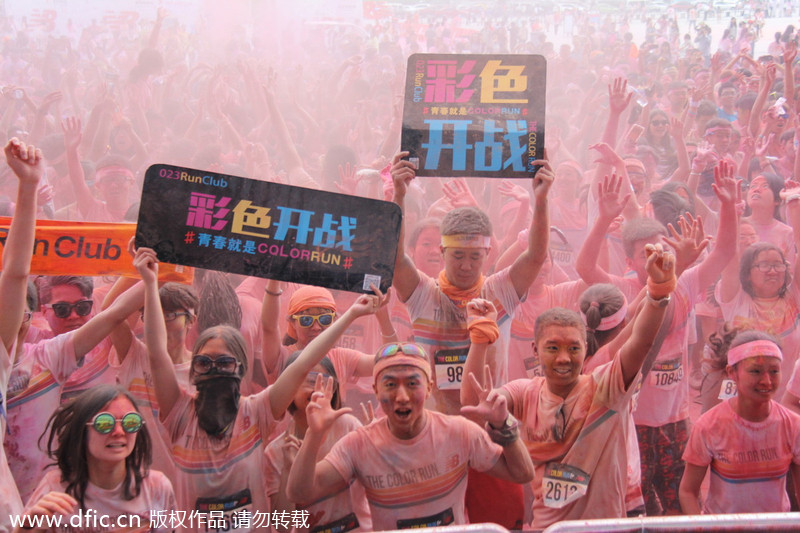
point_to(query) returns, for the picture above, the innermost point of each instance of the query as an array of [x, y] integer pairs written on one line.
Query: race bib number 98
[[450, 368]]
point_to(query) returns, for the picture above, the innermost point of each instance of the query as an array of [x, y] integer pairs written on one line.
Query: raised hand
[[689, 243], [543, 179], [608, 197], [618, 95], [660, 264], [676, 127], [705, 155], [347, 177], [319, 413], [25, 160], [146, 263], [789, 53], [457, 191], [403, 171], [71, 126], [606, 154], [492, 406], [725, 185], [367, 304], [479, 308]]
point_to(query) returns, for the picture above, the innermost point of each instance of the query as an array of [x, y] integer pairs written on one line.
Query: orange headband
[[307, 297]]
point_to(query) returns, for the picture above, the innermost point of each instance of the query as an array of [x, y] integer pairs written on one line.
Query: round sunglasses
[[104, 423]]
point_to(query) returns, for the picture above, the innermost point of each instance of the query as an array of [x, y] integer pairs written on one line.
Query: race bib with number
[[450, 368], [727, 389], [445, 518], [563, 484], [533, 368], [666, 375], [227, 513]]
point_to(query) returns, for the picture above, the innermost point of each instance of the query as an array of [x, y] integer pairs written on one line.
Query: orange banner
[[65, 247]]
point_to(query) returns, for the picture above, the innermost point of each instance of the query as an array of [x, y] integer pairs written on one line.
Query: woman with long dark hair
[[101, 447]]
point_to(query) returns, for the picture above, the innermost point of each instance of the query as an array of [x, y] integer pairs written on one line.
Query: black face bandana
[[217, 403]]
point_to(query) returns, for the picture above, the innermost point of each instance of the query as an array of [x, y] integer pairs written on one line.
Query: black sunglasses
[[63, 309]]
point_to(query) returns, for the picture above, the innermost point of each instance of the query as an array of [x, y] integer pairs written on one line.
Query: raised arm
[[28, 165], [282, 392], [676, 131], [526, 267], [610, 204], [726, 188], [103, 323], [789, 55], [618, 100], [481, 318], [406, 277], [71, 127], [271, 333], [155, 334], [758, 106], [661, 283], [122, 336]]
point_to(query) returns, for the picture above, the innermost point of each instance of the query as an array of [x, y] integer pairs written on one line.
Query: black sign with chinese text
[[474, 115], [257, 228]]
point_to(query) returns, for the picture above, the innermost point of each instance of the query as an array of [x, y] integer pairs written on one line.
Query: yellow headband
[[466, 240]]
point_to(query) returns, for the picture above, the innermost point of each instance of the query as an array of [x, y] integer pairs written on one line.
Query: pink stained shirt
[[594, 397], [335, 507], [419, 481], [749, 460], [149, 511]]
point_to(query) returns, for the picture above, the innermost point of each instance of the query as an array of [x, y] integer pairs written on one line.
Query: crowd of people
[[587, 343]]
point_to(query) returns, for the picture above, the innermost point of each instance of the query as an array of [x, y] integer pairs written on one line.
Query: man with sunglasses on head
[[413, 462], [48, 372]]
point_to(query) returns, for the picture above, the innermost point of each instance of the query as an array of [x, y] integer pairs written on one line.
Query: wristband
[[506, 435], [658, 290], [392, 334], [483, 330], [280, 291]]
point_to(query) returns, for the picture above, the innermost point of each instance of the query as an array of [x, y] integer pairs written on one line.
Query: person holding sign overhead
[[217, 435], [437, 308]]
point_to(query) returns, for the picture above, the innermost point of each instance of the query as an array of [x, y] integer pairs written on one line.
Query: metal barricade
[[467, 528], [720, 522]]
